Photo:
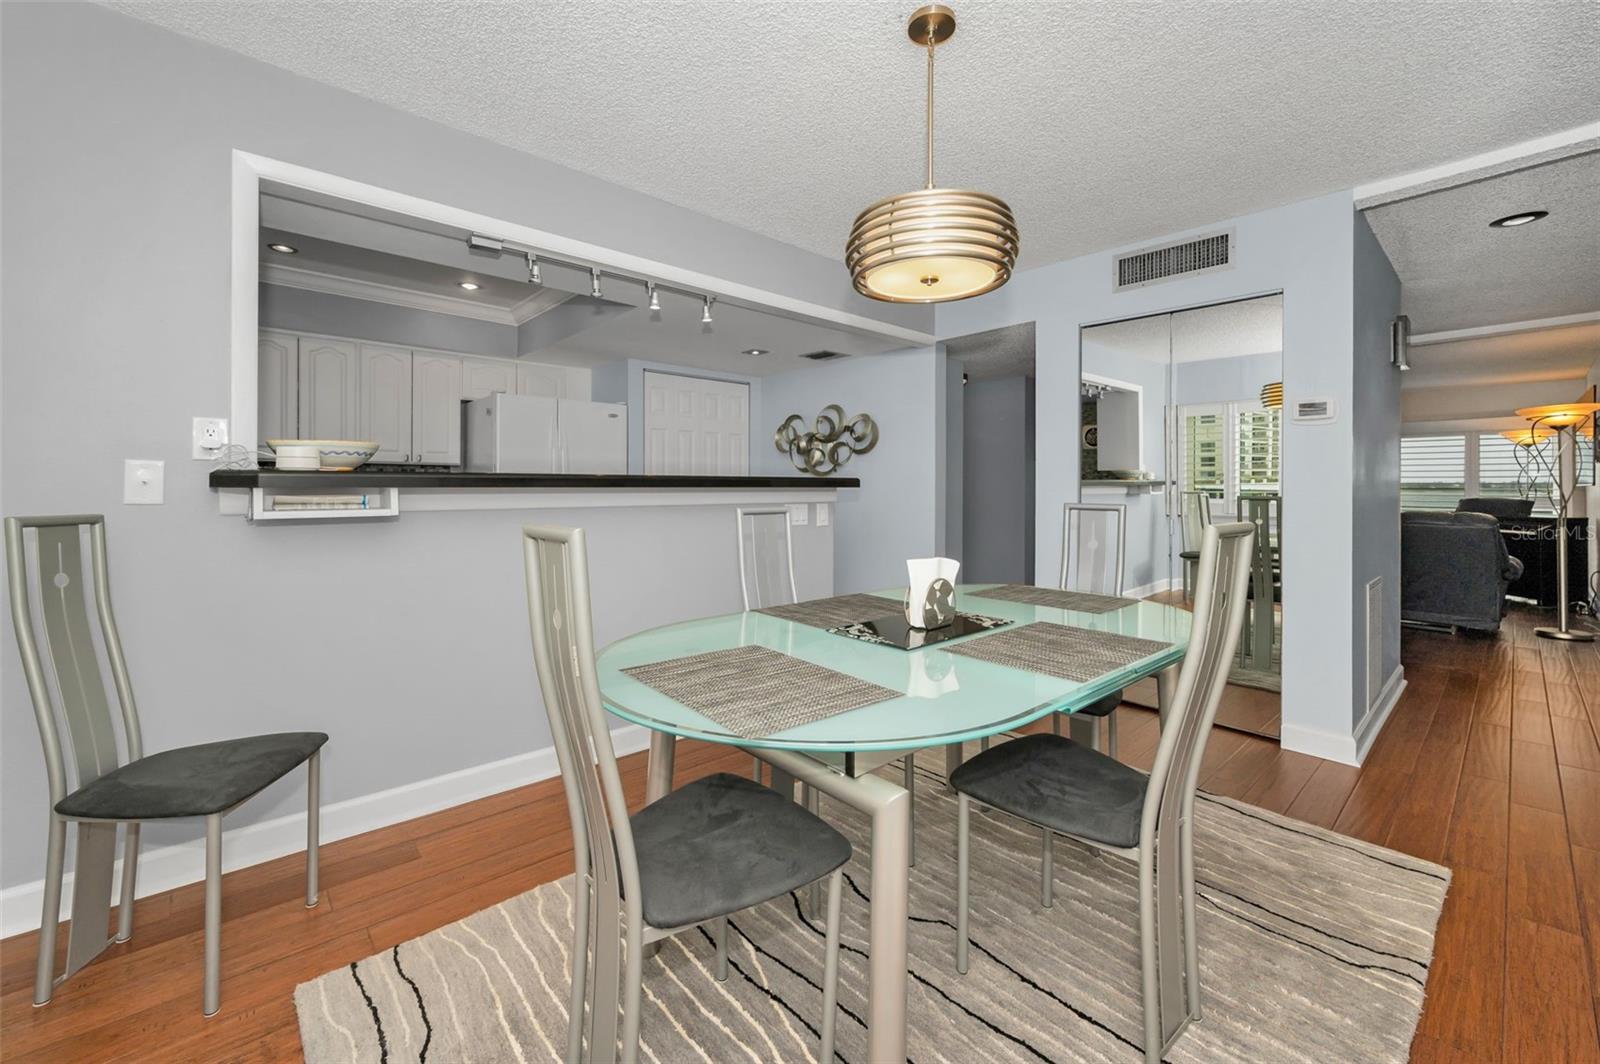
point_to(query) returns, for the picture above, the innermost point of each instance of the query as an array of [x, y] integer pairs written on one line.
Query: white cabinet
[[386, 401], [435, 409], [696, 426], [481, 377], [328, 387], [277, 380], [554, 382]]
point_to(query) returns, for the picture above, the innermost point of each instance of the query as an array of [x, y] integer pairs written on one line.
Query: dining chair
[[108, 788], [1194, 516], [1065, 788], [696, 856], [1094, 548]]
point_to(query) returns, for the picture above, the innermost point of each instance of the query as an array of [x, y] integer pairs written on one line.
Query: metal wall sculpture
[[830, 443]]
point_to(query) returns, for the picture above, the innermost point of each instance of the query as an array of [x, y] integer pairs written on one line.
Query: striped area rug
[[1314, 947]]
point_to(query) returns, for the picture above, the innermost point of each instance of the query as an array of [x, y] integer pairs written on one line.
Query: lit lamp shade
[[1531, 436], [931, 246], [1272, 395], [1559, 415]]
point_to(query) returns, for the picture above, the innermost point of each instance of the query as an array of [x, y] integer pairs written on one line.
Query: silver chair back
[[1196, 515], [766, 557], [58, 579], [563, 652], [1094, 545]]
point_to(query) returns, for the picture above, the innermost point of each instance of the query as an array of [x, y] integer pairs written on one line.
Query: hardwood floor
[[1490, 764]]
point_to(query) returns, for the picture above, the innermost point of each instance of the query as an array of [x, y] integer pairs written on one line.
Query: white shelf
[[261, 499]]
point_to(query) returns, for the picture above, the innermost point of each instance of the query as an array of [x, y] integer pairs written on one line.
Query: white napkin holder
[[931, 592]]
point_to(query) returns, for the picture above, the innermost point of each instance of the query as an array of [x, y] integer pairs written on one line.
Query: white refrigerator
[[538, 434]]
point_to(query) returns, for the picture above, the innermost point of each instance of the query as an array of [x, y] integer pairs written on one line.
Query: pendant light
[[935, 244], [1272, 395]]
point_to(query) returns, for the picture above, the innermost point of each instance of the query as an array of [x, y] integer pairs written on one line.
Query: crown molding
[[1479, 332], [542, 299]]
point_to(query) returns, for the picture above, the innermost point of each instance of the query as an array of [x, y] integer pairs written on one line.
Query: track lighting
[[655, 299], [594, 283], [705, 317], [533, 269]]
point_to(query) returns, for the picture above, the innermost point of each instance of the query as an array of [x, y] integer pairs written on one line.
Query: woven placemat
[[1077, 654], [1077, 601], [836, 611], [754, 692]]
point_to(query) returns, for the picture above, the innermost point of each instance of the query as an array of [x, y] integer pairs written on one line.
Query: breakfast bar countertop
[[401, 478]]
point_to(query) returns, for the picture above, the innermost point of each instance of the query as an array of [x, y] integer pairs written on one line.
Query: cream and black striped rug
[[1314, 947]]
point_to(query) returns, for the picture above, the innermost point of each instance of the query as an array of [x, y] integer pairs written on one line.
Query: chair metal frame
[[1120, 577], [609, 899], [1198, 504], [788, 546], [75, 666], [1171, 990]]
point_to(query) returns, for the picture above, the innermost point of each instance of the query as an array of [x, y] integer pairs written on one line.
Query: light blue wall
[[1226, 380], [299, 310], [955, 460], [997, 495], [896, 513], [1305, 250]]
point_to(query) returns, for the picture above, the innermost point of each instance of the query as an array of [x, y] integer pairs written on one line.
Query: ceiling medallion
[[935, 244]]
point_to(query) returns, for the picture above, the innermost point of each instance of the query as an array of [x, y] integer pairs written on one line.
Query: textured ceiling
[[1226, 330], [1101, 123], [1007, 352], [1568, 353], [1458, 273]]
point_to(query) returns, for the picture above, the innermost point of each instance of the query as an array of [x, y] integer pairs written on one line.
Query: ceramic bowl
[[329, 456]]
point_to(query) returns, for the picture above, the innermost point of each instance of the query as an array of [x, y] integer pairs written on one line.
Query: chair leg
[[1149, 973], [720, 934], [1047, 870], [213, 975], [1185, 580], [580, 966], [1111, 733], [830, 965], [44, 979], [811, 798], [963, 846], [911, 789], [1055, 723], [1191, 947], [313, 825], [632, 991], [130, 873], [755, 769]]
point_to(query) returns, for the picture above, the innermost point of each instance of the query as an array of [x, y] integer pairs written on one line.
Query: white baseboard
[[167, 867], [1155, 587], [1347, 749]]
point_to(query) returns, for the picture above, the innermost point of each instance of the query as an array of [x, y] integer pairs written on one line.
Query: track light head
[[705, 317], [594, 283], [533, 269], [655, 297]]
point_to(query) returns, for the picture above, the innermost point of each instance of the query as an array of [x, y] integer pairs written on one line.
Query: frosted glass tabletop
[[943, 697]]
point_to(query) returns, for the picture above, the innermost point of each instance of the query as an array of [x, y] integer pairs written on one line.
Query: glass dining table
[[942, 700]]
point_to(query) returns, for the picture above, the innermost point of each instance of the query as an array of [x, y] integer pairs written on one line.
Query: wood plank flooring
[[1490, 764]]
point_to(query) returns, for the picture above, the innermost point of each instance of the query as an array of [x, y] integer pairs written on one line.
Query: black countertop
[[399, 478]]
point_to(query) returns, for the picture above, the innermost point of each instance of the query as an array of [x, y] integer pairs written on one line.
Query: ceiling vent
[[824, 356], [1206, 253]]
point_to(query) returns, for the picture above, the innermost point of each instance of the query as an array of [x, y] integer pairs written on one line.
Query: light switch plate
[[143, 482], [822, 515], [799, 513]]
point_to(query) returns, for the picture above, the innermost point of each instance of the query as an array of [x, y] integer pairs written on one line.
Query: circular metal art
[[833, 439]]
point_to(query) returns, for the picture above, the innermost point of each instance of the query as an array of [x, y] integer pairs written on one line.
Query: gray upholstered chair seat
[[724, 843], [1189, 555], [192, 780], [1063, 785], [1103, 708]]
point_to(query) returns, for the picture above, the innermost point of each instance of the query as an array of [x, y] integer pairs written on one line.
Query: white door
[[594, 436], [482, 377], [386, 401], [328, 387], [278, 373], [435, 409], [696, 427], [536, 379]]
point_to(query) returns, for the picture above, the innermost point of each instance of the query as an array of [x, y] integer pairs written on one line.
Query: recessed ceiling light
[[1522, 218], [283, 249], [755, 351], [471, 286]]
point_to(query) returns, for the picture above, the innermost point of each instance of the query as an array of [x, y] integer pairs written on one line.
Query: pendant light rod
[[931, 47]]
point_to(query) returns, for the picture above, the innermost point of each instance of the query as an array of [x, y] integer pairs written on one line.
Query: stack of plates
[[328, 456]]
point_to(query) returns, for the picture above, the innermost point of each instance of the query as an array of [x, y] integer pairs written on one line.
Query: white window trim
[[1230, 412]]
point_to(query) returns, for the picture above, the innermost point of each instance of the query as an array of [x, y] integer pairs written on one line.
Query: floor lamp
[[1564, 418]]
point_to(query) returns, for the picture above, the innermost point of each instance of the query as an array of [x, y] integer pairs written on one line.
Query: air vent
[[1214, 252], [824, 356]]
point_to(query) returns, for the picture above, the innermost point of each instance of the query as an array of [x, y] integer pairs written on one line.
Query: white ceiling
[[1565, 354], [1101, 123], [1227, 330], [1007, 352], [1458, 273]]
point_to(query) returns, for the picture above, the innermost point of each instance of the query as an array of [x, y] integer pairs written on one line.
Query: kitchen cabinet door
[[435, 409], [386, 401], [277, 380], [328, 390], [534, 378], [482, 377]]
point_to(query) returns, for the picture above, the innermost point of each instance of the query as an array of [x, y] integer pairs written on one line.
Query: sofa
[[1496, 508], [1454, 569]]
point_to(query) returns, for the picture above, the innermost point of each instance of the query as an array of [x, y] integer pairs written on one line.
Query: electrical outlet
[[799, 513], [822, 515], [210, 436], [142, 481]]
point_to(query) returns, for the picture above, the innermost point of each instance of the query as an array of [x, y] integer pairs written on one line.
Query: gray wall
[[954, 461], [1226, 380], [997, 493], [301, 310], [1375, 487], [117, 175], [894, 515]]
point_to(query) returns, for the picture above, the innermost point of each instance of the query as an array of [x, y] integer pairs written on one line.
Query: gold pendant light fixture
[[1272, 395], [935, 244]]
